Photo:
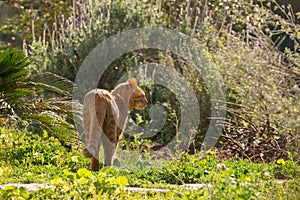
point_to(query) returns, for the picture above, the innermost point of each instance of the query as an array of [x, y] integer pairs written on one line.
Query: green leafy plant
[[37, 102], [258, 75], [28, 17]]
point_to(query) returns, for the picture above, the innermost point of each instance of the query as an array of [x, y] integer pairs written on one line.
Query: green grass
[[31, 158]]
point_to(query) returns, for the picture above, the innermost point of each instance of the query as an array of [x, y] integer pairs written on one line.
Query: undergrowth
[[26, 158]]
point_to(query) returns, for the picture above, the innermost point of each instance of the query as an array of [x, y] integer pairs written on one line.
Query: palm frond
[[41, 100], [12, 60], [56, 126], [12, 69], [52, 82]]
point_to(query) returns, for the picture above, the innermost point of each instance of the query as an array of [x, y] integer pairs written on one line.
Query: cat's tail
[[86, 153]]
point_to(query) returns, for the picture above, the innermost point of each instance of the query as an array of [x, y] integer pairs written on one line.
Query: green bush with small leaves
[[239, 37]]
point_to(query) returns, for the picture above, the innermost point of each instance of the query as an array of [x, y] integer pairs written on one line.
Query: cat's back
[[100, 100], [98, 94]]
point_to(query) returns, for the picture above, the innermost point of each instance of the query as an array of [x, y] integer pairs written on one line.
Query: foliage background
[[246, 39], [255, 44]]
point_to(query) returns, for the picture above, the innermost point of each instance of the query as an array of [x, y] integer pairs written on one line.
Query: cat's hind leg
[[86, 126], [109, 150], [94, 143], [96, 114]]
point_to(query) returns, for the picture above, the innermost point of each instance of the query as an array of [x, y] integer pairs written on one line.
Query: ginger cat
[[105, 116]]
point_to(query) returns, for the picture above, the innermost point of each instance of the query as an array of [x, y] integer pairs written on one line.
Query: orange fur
[[105, 116]]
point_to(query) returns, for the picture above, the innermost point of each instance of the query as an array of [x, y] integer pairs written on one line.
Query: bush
[[261, 81], [27, 101]]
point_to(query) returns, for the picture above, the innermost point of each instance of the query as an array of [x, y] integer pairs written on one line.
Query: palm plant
[[36, 102]]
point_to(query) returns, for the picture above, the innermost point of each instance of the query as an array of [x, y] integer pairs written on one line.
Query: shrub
[[261, 80], [28, 101]]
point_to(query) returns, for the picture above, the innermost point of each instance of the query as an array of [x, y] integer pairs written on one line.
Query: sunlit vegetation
[[255, 49]]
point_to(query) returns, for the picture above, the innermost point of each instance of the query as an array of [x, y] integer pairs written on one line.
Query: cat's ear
[[132, 82]]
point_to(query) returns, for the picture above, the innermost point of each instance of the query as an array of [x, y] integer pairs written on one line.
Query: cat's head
[[138, 99]]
